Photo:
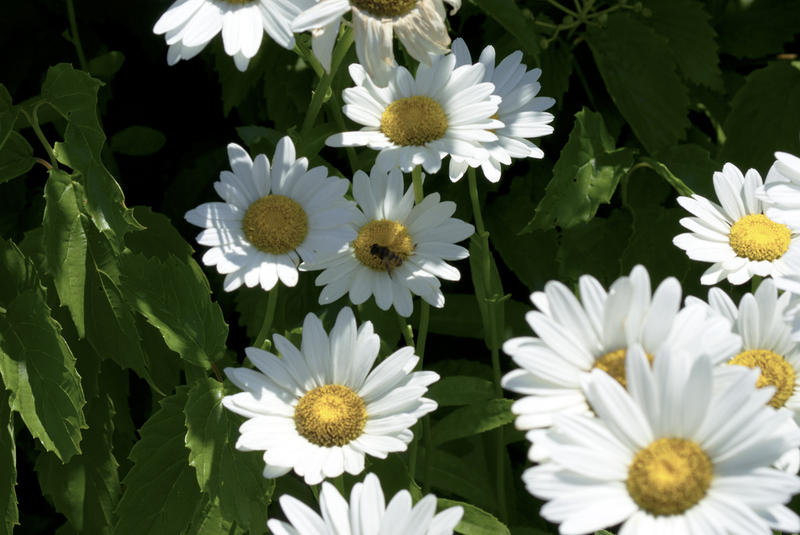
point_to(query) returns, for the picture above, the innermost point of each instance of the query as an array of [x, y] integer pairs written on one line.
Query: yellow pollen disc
[[669, 476], [275, 224], [756, 237], [383, 244], [613, 364], [413, 121], [775, 371], [385, 8], [330, 415]]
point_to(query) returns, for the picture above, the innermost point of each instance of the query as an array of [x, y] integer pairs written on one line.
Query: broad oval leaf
[[473, 419]]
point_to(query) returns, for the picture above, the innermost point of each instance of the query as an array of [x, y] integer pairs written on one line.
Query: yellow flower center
[[413, 121], [613, 364], [757, 237], [275, 224], [669, 476], [382, 245], [330, 415], [385, 8], [775, 371]]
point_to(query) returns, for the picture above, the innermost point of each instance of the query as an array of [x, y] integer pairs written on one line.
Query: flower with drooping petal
[[189, 25], [419, 24], [671, 454], [272, 218], [366, 514], [319, 409], [736, 235], [419, 120], [401, 248], [521, 110]]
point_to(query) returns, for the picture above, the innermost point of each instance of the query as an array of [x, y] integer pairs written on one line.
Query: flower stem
[[406, 330], [76, 39], [33, 119], [266, 325]]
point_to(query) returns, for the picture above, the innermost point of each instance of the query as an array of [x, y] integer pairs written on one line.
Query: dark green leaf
[[759, 123], [225, 474], [73, 94], [17, 273], [594, 248], [757, 29], [105, 66], [211, 521], [586, 175], [8, 468], [175, 301], [475, 521], [86, 489], [158, 237], [556, 65], [447, 474], [16, 157], [691, 38], [65, 243], [639, 72], [488, 290], [691, 164], [8, 115], [39, 369], [137, 141], [518, 22], [461, 390], [473, 419], [161, 494]]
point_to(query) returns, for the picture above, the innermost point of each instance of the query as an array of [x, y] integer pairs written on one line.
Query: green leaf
[[447, 474], [637, 67], [8, 468], [86, 489], [518, 22], [461, 390], [211, 521], [473, 419], [759, 123], [39, 369], [137, 140], [17, 273], [585, 176], [691, 164], [475, 521], [73, 94], [685, 24], [757, 29], [595, 248], [16, 157], [161, 494], [175, 301], [488, 290], [158, 237], [105, 66], [65, 243], [225, 474], [8, 115], [556, 64]]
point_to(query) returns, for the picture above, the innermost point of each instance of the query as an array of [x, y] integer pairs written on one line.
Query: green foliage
[[515, 21], [461, 390], [228, 476], [8, 469], [137, 140], [488, 290], [475, 521], [473, 419], [16, 154], [758, 29]]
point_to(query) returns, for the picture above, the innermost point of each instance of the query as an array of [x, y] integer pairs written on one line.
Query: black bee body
[[388, 258]]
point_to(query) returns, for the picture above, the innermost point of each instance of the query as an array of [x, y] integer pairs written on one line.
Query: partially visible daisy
[[366, 514], [419, 24], [321, 408], [419, 120], [189, 25], [669, 455], [736, 235], [782, 190], [401, 248], [271, 218], [574, 337], [521, 111]]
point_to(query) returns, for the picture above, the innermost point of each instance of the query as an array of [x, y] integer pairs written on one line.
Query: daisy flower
[[271, 218], [321, 408], [366, 514], [669, 455], [781, 190], [399, 249], [420, 120], [520, 110], [189, 25], [736, 235], [576, 336], [419, 24]]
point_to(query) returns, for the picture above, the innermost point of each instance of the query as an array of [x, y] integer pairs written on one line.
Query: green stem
[[76, 39], [406, 330], [567, 10], [426, 466], [266, 325], [476, 206], [416, 179], [33, 119]]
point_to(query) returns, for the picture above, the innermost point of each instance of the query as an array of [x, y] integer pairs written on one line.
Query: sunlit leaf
[[473, 419], [8, 469], [475, 521]]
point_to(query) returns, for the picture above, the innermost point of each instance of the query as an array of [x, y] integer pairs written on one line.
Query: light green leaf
[[176, 302], [16, 157], [759, 123], [17, 273], [86, 489], [8, 468], [473, 419], [461, 390], [73, 94], [692, 40], [225, 474], [475, 521], [211, 521], [65, 243], [518, 22], [639, 72], [39, 369], [585, 176], [137, 140], [161, 494]]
